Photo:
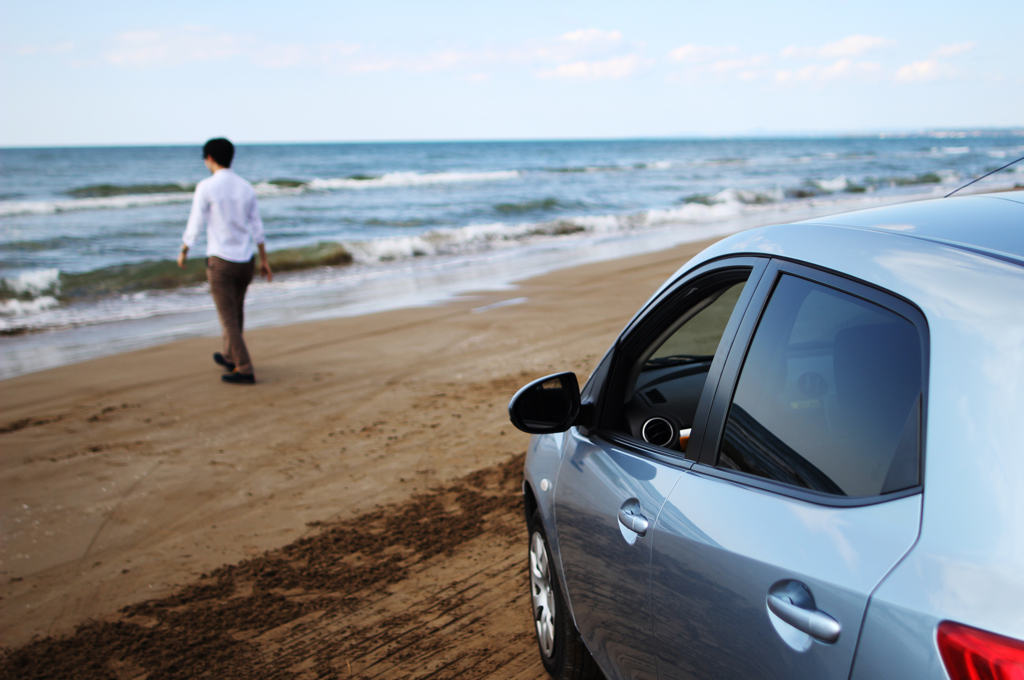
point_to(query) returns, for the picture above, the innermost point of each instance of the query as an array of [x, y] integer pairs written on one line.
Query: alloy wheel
[[543, 595]]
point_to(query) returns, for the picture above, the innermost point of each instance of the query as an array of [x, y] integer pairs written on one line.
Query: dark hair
[[221, 150]]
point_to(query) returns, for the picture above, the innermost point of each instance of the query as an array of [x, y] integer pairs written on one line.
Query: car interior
[[667, 378]]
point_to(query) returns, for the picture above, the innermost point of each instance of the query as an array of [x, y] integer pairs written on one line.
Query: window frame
[[657, 315], [707, 456]]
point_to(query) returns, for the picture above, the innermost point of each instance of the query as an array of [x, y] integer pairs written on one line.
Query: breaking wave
[[31, 292], [105, 190], [409, 179], [11, 208], [112, 196]]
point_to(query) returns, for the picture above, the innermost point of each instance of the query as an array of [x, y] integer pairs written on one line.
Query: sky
[[112, 73]]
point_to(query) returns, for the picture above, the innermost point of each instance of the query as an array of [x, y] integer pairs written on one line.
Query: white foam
[[268, 189], [36, 282], [46, 313], [11, 208], [726, 205], [833, 185], [695, 213], [408, 179], [22, 307], [386, 249]]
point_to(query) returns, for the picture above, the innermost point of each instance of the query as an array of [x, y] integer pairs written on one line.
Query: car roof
[[988, 224]]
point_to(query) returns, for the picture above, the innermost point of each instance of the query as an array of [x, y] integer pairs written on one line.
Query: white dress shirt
[[226, 203]]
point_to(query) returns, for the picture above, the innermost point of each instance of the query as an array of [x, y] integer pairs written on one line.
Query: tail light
[[972, 654]]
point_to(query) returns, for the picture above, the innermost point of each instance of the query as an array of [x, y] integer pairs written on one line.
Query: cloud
[[581, 44], [37, 50], [853, 46], [930, 69], [706, 62], [698, 53], [843, 69], [953, 50], [616, 67], [582, 54], [144, 49], [927, 69], [850, 46]]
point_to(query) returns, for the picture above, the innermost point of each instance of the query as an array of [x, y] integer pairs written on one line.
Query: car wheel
[[562, 652]]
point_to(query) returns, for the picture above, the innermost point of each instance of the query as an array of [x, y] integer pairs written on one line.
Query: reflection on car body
[[738, 491]]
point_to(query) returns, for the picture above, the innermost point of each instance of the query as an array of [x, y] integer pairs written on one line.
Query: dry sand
[[128, 481]]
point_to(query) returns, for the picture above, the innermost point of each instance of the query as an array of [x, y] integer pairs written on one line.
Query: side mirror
[[546, 406]]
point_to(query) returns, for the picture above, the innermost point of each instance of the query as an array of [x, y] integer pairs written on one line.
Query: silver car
[[802, 458]]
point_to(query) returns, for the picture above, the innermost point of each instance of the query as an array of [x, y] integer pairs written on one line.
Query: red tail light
[[972, 654]]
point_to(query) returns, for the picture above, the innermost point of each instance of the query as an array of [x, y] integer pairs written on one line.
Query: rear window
[[829, 395]]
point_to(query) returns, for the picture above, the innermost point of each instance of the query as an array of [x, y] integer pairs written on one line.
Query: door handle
[[630, 517], [792, 602]]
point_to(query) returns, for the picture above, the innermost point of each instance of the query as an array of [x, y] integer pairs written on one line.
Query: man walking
[[226, 203]]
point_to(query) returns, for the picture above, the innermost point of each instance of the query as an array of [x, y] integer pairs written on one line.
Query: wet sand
[[127, 479]]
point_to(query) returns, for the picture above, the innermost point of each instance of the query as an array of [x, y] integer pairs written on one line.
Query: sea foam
[[408, 179], [12, 208], [23, 307], [34, 282]]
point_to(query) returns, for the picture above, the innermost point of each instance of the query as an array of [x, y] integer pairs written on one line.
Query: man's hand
[[182, 256], [264, 264]]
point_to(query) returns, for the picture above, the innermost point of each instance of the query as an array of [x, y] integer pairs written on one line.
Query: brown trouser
[[228, 283]]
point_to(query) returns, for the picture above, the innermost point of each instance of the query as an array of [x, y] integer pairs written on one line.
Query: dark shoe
[[218, 358], [239, 378]]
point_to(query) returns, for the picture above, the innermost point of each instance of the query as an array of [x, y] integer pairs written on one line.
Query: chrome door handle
[[630, 517], [792, 603]]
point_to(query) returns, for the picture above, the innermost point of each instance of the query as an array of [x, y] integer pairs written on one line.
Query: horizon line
[[1013, 130]]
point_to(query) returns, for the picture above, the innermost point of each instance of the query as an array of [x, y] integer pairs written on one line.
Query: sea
[[88, 235]]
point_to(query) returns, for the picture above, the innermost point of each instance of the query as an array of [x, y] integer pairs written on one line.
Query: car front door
[[806, 492], [614, 478]]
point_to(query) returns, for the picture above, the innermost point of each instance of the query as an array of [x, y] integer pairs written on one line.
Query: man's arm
[[195, 222], [256, 227]]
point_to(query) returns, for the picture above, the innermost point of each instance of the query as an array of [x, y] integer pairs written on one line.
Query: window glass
[[701, 333], [829, 395], [669, 382]]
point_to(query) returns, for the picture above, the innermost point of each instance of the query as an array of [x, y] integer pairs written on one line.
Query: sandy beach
[[128, 478]]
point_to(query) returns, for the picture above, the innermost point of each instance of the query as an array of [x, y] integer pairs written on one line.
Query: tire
[[562, 652]]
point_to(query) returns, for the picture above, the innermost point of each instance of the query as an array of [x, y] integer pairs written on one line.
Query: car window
[[701, 333], [669, 381], [829, 395]]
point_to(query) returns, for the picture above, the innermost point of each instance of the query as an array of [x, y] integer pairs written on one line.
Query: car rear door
[[806, 491]]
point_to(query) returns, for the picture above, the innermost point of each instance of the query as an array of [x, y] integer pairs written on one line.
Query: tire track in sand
[[434, 588]]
